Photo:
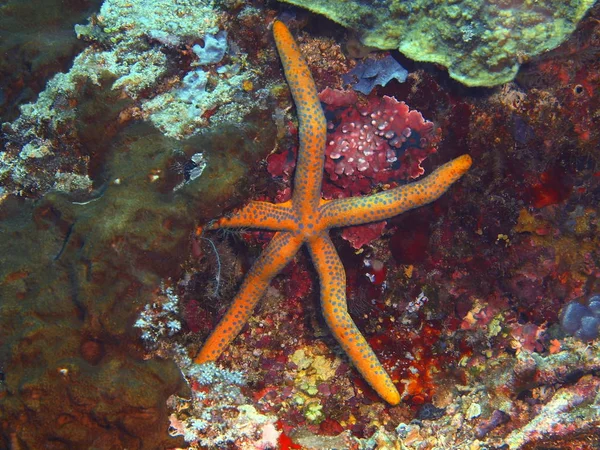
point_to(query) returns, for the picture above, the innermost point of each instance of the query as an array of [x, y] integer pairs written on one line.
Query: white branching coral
[[160, 318], [219, 413]]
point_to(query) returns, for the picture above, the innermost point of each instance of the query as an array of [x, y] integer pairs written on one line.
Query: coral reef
[[481, 43], [37, 42], [219, 414], [72, 372], [72, 287], [110, 280], [80, 265], [146, 62]]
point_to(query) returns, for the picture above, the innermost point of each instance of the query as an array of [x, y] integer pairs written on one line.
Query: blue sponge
[[582, 320], [375, 72], [214, 48], [594, 304], [588, 329]]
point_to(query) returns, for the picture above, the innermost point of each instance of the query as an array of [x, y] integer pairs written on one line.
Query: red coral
[[196, 318], [363, 234], [282, 165], [379, 141], [552, 188]]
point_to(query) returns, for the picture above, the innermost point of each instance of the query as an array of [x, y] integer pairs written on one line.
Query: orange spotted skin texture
[[306, 219]]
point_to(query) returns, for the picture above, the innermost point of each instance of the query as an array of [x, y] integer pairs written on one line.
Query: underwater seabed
[[125, 137]]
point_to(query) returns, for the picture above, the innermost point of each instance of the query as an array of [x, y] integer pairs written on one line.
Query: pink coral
[[379, 141], [363, 234]]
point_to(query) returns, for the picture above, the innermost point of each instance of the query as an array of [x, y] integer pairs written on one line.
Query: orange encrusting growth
[[306, 219]]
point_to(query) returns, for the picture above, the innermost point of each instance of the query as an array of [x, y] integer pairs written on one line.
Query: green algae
[[481, 43], [108, 218], [76, 273], [312, 371]]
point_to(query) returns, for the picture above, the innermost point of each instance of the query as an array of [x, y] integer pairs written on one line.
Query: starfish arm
[[312, 125], [381, 206], [333, 302], [262, 215], [278, 253]]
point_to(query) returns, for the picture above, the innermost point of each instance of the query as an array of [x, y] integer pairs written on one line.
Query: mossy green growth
[[314, 413], [481, 43]]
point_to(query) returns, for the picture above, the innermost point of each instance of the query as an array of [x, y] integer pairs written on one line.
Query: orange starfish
[[307, 218]]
